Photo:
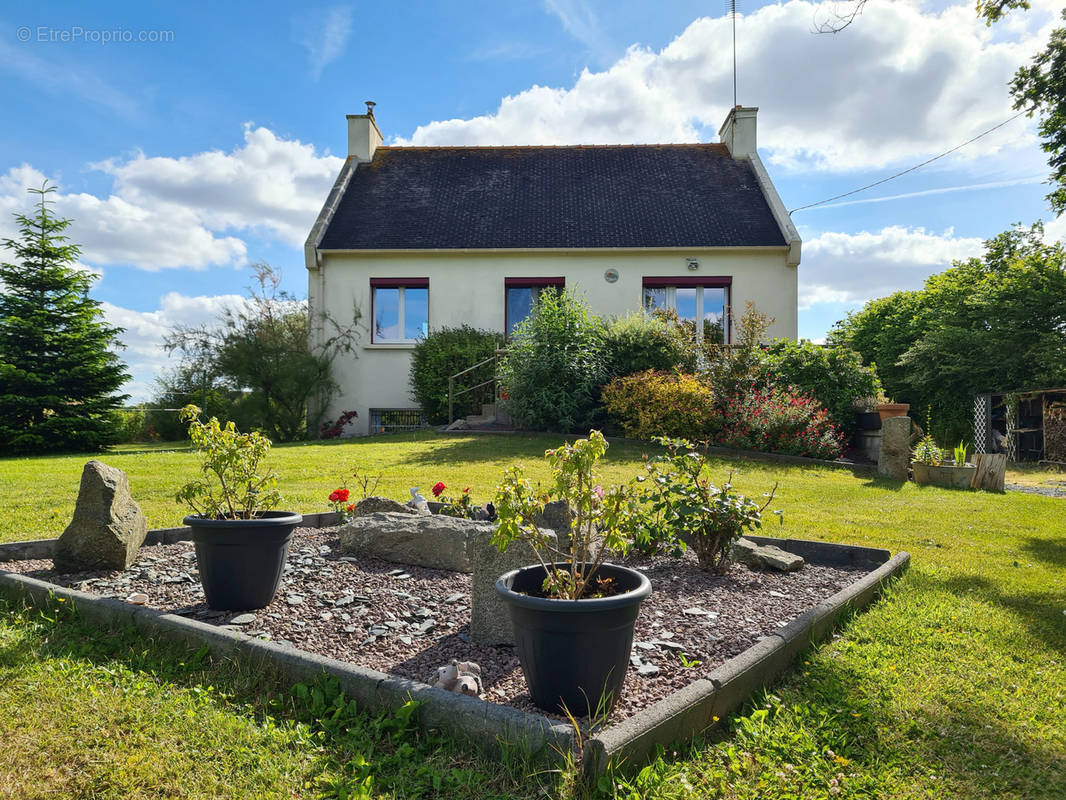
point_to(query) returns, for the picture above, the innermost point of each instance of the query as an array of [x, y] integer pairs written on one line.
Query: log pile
[[1055, 430]]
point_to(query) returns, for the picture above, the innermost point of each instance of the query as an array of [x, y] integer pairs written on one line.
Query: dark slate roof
[[683, 195]]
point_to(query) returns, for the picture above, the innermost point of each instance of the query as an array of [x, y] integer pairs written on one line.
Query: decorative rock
[[462, 677], [758, 556], [243, 619], [377, 505], [108, 526], [458, 425], [432, 540], [647, 670], [898, 435], [137, 598], [558, 516], [490, 620], [294, 599]]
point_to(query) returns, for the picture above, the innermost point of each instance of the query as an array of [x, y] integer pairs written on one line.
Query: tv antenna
[[732, 5]]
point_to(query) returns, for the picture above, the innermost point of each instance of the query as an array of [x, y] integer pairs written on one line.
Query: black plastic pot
[[241, 560], [868, 420], [574, 653]]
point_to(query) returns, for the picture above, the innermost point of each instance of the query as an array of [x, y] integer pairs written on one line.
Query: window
[[400, 309], [521, 293], [693, 299]]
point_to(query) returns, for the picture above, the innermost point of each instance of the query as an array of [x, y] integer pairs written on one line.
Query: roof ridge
[[542, 146]]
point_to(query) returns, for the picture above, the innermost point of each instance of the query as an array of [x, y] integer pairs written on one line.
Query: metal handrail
[[452, 394]]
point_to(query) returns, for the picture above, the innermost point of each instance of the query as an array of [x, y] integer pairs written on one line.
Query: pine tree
[[58, 374]]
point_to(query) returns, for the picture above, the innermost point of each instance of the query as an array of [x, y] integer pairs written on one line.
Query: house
[[423, 237]]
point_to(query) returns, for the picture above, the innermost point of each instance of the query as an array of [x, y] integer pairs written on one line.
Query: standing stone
[[490, 620], [430, 540], [558, 516], [898, 435], [108, 526]]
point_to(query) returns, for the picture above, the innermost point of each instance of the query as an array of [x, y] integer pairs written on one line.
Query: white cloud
[[901, 84], [325, 42], [579, 20], [854, 268], [144, 354], [182, 212]]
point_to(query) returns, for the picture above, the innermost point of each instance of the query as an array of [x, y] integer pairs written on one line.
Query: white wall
[[468, 288]]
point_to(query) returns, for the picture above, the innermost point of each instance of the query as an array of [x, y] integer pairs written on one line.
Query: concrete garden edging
[[485, 725]]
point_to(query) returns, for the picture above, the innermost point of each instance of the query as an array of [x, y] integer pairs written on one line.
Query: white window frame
[[401, 310], [671, 304]]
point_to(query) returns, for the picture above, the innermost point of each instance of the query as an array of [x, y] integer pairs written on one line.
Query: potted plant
[[867, 417], [241, 545], [930, 467], [573, 613], [886, 409]]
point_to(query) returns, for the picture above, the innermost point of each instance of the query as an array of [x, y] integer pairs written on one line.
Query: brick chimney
[[363, 134], [738, 131]]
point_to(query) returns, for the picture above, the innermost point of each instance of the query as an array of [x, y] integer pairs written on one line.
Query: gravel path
[[1057, 490], [408, 621]]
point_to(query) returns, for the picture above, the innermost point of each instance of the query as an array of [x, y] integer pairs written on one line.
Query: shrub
[[684, 506], [780, 420], [443, 353], [554, 367], [639, 342], [834, 376], [651, 403]]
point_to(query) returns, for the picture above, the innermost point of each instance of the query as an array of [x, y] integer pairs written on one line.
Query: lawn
[[952, 686]]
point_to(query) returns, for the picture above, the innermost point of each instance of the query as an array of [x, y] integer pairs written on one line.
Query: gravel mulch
[[410, 620], [1056, 489]]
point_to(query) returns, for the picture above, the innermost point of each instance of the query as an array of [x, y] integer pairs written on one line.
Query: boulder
[[429, 540], [558, 516], [757, 556], [377, 505], [490, 620], [108, 526]]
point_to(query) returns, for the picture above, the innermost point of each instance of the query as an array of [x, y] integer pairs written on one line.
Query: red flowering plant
[[332, 430], [338, 500], [779, 420], [463, 506]]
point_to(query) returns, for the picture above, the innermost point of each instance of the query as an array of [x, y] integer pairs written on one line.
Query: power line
[[910, 169]]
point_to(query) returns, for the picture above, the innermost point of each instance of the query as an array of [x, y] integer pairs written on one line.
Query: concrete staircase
[[491, 419]]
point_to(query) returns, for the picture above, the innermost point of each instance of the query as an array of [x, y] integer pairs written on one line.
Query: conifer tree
[[58, 374]]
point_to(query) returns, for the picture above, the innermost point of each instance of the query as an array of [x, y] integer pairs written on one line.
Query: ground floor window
[[520, 295], [399, 309], [700, 302]]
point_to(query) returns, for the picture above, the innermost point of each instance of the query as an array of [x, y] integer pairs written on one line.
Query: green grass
[[953, 686]]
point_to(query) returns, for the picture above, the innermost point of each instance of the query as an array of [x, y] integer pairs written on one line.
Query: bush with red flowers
[[333, 430], [779, 420]]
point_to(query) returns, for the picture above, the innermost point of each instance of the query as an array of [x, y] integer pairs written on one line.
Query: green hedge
[[443, 353]]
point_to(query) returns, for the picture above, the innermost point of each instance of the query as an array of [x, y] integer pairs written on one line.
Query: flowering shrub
[[332, 430], [650, 403], [779, 420], [438, 487]]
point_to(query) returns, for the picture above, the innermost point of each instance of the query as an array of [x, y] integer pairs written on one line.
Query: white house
[[424, 237]]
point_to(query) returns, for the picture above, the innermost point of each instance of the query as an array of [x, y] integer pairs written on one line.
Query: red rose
[[438, 487], [339, 496]]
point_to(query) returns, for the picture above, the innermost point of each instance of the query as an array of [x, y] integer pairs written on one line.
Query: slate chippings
[[410, 620]]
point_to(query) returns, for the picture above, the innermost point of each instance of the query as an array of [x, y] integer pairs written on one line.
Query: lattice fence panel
[[982, 423]]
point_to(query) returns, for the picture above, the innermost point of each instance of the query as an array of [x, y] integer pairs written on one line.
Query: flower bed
[[408, 621]]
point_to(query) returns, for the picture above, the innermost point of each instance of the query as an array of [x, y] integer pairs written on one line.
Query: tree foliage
[[58, 372], [265, 354], [996, 323]]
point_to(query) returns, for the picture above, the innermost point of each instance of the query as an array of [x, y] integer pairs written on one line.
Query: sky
[[191, 140]]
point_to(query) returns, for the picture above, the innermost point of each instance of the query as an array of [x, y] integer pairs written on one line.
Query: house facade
[[418, 238]]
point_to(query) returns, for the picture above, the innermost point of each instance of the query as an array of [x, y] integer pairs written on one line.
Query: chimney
[[738, 131], [363, 134]]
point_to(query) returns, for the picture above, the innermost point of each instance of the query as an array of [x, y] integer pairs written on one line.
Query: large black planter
[[241, 560], [574, 653]]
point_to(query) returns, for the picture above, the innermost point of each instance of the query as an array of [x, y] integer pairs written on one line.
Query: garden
[[956, 667]]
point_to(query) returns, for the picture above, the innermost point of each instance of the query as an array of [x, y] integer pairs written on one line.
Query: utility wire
[[910, 169]]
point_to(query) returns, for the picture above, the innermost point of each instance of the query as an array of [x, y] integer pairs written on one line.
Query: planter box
[[868, 420], [889, 410], [948, 476]]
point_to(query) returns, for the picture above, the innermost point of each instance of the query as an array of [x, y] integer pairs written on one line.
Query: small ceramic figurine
[[463, 677]]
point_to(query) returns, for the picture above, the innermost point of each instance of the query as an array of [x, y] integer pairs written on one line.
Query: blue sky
[[191, 139]]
